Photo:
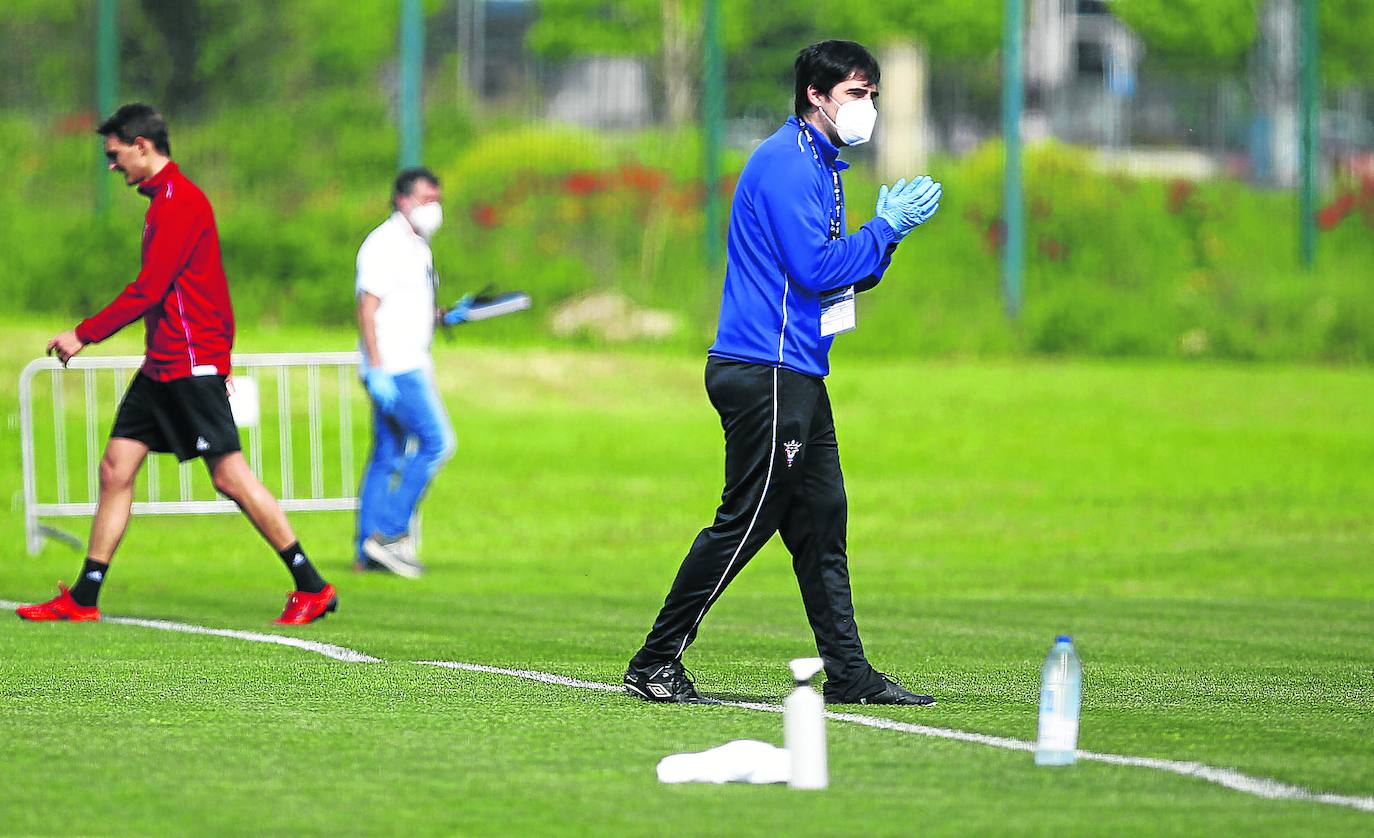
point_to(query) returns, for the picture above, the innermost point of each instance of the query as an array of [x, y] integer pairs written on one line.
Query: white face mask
[[854, 121], [426, 218]]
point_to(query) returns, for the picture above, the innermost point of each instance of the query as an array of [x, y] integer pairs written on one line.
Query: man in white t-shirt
[[412, 436]]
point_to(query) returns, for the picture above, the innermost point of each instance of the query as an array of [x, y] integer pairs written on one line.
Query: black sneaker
[[891, 692], [666, 683]]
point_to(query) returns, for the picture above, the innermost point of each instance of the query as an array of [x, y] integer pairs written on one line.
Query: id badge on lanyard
[[838, 312]]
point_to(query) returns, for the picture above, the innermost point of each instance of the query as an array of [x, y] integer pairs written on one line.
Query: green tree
[[945, 29], [770, 32], [1221, 32], [274, 51], [761, 37], [47, 60], [666, 30], [1345, 28], [1205, 33], [568, 29]]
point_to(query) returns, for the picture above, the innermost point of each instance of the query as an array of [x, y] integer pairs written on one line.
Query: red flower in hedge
[[688, 198], [484, 215], [1180, 195], [1335, 212], [583, 183], [641, 178], [80, 122], [994, 234], [1052, 249]]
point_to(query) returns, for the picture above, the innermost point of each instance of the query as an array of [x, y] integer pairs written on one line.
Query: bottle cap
[[1063, 638], [804, 669]]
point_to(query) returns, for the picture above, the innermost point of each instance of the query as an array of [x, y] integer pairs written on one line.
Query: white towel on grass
[[740, 761]]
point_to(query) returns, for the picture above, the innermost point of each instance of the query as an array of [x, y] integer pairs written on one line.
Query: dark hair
[[406, 180], [828, 63], [137, 120]]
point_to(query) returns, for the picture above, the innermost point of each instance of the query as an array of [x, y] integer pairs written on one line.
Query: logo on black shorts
[[791, 447], [202, 445]]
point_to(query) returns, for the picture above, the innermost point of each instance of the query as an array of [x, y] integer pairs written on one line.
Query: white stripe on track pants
[[782, 474]]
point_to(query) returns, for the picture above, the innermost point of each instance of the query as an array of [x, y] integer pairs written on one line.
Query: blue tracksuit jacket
[[780, 257]]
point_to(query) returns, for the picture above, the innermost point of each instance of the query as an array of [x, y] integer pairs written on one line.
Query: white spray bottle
[[803, 728]]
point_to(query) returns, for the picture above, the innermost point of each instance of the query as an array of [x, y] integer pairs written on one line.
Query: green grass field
[[1204, 532]]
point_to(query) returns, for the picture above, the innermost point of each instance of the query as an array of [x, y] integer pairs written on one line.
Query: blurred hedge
[[1116, 266]]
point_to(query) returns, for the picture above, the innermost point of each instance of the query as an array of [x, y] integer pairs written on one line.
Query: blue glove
[[459, 312], [928, 201], [908, 204], [382, 387], [883, 210]]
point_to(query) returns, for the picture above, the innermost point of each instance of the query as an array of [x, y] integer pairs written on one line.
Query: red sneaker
[[60, 607], [302, 607]]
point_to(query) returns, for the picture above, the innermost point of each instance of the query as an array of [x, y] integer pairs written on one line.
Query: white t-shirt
[[396, 266]]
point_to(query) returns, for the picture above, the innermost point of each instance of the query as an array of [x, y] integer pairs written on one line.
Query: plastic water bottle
[[803, 728], [1061, 690]]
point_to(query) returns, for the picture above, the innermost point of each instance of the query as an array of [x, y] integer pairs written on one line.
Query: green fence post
[[1013, 211], [106, 85], [411, 60], [1311, 100], [713, 122]]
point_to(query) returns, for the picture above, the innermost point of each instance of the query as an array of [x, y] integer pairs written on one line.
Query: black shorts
[[189, 417]]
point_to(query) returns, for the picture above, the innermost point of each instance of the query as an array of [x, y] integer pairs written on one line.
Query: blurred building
[[602, 92], [1081, 67]]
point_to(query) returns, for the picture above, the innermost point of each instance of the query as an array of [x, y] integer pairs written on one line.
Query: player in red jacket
[[178, 402]]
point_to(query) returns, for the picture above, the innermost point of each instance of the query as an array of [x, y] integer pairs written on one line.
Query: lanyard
[[836, 225]]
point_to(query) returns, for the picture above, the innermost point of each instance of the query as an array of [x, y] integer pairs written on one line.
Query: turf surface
[[1203, 531]]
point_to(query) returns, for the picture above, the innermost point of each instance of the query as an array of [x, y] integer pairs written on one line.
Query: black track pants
[[782, 474]]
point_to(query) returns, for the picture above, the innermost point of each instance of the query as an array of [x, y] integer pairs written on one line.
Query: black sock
[[307, 578], [87, 588]]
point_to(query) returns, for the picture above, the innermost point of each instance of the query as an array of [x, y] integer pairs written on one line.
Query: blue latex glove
[[883, 210], [459, 312], [908, 204], [928, 201], [382, 387]]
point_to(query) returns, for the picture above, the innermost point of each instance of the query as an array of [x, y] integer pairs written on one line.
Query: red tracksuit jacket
[[181, 292]]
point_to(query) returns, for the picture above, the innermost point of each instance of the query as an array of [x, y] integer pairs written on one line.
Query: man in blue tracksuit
[[790, 277]]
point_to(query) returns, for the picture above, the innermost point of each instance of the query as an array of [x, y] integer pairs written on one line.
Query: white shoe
[[395, 554]]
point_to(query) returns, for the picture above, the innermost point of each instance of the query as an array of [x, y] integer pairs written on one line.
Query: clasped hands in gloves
[[909, 204]]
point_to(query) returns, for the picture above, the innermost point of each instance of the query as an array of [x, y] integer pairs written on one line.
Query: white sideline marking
[[338, 653], [1257, 786], [528, 675], [329, 650]]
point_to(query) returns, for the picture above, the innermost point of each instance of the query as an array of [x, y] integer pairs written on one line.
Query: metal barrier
[[56, 500]]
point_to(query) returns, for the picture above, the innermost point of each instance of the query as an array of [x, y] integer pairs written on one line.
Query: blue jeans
[[409, 444]]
